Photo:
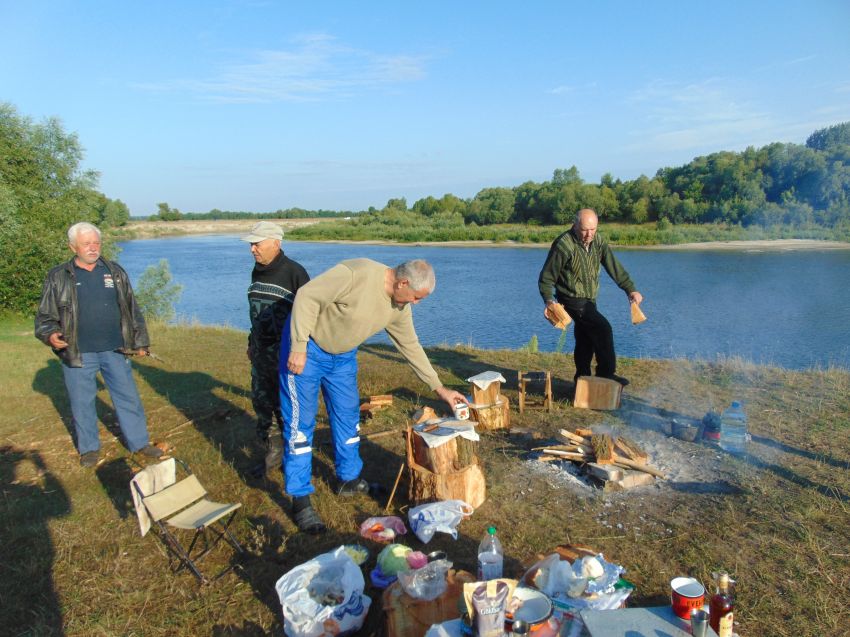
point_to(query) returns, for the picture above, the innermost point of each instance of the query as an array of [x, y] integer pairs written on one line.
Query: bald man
[[572, 270]]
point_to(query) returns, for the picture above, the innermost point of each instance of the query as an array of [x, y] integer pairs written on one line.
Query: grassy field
[[72, 561]]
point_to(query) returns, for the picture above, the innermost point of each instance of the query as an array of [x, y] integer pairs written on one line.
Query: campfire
[[613, 463]]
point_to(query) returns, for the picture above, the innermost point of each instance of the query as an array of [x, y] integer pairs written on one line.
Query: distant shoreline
[[140, 230]]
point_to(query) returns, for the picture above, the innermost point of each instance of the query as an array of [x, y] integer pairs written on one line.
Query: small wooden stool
[[523, 380]]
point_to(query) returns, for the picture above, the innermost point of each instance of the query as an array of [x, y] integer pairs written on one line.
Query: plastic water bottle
[[490, 556], [733, 429]]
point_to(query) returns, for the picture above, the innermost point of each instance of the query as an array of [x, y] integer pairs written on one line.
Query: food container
[[684, 431], [686, 594], [529, 605]]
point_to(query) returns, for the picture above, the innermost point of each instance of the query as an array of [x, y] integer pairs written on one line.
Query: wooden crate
[[408, 617], [593, 392]]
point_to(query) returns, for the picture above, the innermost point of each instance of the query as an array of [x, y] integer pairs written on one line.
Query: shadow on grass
[[30, 604], [50, 382], [115, 477]]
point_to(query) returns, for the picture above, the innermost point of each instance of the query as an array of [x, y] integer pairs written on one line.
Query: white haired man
[[332, 315], [89, 317]]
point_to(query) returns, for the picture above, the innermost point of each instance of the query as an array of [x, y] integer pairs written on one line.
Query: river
[[789, 309]]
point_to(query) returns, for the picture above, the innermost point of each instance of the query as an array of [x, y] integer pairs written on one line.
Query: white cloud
[[316, 67]]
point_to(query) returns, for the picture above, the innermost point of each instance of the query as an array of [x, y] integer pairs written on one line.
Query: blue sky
[[253, 105]]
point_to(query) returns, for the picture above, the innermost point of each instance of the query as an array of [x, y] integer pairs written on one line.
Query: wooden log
[[423, 414], [571, 552], [584, 433], [495, 416], [637, 315], [629, 449], [603, 448], [384, 400], [487, 396], [629, 480], [631, 464], [569, 435], [567, 454], [593, 392], [468, 484], [576, 448]]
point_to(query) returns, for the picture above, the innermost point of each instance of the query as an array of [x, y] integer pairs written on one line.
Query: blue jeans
[[81, 384], [336, 375]]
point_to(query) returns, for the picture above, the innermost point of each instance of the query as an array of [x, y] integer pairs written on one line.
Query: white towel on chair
[[151, 480]]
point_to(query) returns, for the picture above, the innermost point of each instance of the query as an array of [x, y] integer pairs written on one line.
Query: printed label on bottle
[[725, 627]]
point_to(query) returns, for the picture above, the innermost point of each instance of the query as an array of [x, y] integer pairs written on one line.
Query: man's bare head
[[585, 225]]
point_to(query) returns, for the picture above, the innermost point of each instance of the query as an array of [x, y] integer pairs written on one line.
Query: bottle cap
[[491, 530]]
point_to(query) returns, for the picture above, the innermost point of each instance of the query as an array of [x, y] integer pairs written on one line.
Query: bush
[[156, 294]]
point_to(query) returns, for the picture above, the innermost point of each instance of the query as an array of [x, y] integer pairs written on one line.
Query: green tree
[[43, 191], [166, 213], [156, 294], [492, 205]]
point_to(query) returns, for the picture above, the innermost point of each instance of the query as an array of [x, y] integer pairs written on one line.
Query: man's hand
[[636, 297], [296, 361], [451, 396], [57, 340], [142, 352]]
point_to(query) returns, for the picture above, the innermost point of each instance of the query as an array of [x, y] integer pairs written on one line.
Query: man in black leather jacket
[[89, 317]]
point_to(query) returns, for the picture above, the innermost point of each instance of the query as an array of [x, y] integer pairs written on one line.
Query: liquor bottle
[[721, 607]]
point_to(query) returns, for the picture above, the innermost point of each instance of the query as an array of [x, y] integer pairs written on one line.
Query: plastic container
[[490, 556], [733, 429]]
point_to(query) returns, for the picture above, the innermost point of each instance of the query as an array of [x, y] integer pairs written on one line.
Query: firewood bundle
[[613, 461]]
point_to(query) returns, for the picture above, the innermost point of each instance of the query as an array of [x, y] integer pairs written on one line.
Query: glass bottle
[[721, 607]]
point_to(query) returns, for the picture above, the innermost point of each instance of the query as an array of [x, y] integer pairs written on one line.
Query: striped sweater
[[573, 271]]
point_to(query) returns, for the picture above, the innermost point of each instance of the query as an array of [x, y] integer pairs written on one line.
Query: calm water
[[789, 308]]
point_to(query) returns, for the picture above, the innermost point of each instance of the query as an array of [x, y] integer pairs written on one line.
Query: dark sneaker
[[309, 521], [274, 453], [619, 379], [90, 459], [150, 451], [358, 486]]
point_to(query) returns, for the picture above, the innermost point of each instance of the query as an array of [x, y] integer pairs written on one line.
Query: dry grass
[[73, 562]]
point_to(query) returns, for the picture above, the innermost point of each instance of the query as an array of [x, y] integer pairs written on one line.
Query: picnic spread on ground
[[571, 591]]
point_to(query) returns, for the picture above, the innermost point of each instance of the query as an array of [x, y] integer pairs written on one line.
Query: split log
[[627, 448], [631, 464], [560, 448], [567, 454], [603, 448], [570, 436], [423, 414], [584, 433], [629, 480], [384, 400]]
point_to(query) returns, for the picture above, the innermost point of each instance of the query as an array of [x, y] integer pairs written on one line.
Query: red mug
[[686, 595]]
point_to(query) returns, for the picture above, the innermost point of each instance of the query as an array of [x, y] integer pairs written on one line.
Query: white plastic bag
[[333, 576], [427, 519]]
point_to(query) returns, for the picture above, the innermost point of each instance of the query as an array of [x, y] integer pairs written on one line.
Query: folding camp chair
[[183, 505]]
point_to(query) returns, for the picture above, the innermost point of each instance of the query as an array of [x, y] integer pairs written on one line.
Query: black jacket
[[57, 311], [270, 297]]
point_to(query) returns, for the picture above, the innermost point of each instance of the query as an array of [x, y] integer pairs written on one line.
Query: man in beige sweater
[[332, 315]]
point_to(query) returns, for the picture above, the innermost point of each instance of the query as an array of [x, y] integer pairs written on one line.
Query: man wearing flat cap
[[274, 281]]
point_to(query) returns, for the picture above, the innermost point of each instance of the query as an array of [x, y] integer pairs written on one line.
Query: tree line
[[44, 189]]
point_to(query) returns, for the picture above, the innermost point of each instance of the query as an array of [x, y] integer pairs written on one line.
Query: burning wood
[[604, 457]]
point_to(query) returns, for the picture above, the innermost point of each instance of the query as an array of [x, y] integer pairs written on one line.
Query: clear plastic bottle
[[490, 556], [733, 429]]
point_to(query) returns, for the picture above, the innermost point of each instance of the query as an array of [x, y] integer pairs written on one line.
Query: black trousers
[[594, 336]]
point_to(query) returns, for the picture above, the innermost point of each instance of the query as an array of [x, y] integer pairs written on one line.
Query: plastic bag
[[326, 578], [427, 519], [383, 529], [426, 583]]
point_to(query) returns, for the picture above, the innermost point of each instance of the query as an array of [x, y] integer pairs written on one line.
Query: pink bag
[[383, 529]]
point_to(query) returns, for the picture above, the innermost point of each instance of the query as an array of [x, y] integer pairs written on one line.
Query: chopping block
[[593, 392]]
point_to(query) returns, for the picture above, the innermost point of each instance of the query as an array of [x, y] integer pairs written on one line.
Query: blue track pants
[[336, 375]]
